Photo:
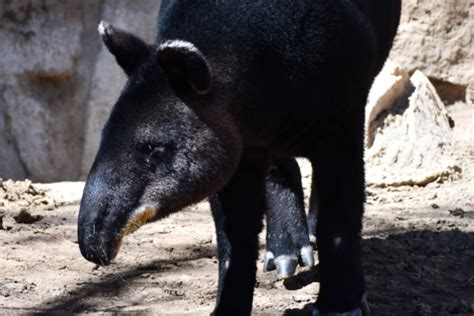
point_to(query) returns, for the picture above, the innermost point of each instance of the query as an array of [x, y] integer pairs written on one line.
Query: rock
[[24, 194], [59, 83], [16, 191], [458, 212], [45, 77], [436, 37], [390, 84], [40, 40], [62, 193], [10, 165], [45, 203], [411, 140], [26, 218]]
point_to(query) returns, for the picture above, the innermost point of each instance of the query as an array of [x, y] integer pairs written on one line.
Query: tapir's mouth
[[140, 216], [100, 239]]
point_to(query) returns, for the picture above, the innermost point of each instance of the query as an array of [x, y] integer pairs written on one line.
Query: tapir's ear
[[129, 51], [185, 64]]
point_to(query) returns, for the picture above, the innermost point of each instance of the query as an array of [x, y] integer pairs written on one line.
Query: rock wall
[[437, 37], [58, 83]]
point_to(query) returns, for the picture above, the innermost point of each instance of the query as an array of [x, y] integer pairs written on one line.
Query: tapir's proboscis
[[219, 107]]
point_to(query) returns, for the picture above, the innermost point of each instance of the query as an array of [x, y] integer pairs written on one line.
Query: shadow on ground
[[410, 273], [418, 273], [84, 298]]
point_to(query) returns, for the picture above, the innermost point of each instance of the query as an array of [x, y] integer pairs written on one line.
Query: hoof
[[269, 262], [362, 311], [286, 265], [307, 257]]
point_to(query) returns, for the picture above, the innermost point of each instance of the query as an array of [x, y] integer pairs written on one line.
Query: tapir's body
[[288, 70], [230, 89]]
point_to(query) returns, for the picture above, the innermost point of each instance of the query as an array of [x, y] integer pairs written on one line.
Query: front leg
[[287, 230], [313, 210], [238, 211], [340, 188]]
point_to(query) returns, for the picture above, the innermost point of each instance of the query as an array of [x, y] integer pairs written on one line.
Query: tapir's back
[[296, 30], [300, 31], [291, 59]]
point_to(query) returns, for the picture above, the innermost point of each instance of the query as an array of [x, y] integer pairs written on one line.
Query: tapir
[[219, 107]]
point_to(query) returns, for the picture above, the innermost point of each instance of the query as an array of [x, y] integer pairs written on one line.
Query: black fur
[[287, 231], [264, 81]]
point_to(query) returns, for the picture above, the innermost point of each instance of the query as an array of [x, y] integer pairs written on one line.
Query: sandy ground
[[418, 253]]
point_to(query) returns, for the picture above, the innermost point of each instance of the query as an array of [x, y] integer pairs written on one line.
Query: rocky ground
[[418, 253]]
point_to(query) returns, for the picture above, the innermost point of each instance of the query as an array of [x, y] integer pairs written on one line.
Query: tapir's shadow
[[416, 272], [407, 273], [78, 301]]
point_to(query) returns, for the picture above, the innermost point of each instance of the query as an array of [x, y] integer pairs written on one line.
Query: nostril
[[96, 254], [94, 246]]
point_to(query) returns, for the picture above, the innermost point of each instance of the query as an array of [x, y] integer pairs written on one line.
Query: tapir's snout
[[95, 232], [107, 213], [95, 249]]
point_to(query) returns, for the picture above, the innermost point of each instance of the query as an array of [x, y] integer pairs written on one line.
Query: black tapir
[[219, 107]]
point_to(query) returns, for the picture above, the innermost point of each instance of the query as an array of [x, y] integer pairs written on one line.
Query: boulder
[[391, 83], [436, 37], [410, 135]]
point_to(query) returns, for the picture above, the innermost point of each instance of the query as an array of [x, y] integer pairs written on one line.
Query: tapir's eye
[[156, 154]]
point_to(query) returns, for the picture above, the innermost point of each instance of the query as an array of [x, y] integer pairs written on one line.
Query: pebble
[[26, 218], [458, 212]]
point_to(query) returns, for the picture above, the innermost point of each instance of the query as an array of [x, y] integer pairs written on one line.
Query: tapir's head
[[169, 142]]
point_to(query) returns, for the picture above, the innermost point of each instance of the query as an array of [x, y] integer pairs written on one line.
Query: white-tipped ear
[[129, 50], [105, 28], [179, 44], [184, 62]]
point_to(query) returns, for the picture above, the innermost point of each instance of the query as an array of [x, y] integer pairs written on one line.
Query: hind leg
[[287, 231]]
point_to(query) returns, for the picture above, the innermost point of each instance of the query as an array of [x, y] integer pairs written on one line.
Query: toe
[[286, 266], [307, 256], [269, 262]]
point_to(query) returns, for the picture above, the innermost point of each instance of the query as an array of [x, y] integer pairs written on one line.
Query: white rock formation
[[409, 132], [389, 85]]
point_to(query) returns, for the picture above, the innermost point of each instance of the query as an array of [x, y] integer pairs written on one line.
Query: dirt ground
[[418, 251]]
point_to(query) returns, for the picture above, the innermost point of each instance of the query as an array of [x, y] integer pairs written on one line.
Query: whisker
[[57, 237]]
